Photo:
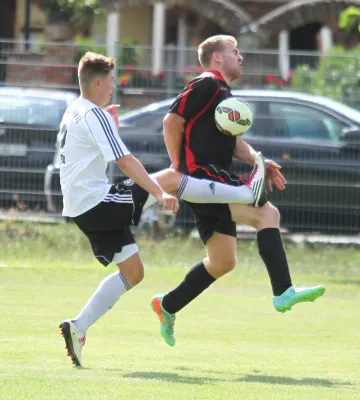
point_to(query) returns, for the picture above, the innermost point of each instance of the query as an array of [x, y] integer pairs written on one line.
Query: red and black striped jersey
[[203, 144]]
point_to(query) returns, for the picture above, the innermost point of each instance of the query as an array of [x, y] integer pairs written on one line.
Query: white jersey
[[89, 140]]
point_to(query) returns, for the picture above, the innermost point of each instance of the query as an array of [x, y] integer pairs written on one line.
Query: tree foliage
[[77, 13], [337, 74], [350, 19]]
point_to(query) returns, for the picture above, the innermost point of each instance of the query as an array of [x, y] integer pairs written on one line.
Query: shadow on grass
[[172, 377], [266, 379], [284, 380]]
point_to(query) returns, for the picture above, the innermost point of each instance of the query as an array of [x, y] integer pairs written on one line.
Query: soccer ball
[[233, 116]]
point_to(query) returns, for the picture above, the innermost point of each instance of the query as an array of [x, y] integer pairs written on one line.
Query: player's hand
[[112, 110], [274, 176], [169, 202]]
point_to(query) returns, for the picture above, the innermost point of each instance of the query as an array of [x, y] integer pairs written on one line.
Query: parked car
[[29, 123], [315, 139]]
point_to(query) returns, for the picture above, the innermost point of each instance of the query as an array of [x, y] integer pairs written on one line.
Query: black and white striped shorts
[[107, 225]]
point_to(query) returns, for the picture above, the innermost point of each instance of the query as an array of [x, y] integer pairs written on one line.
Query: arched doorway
[[7, 19], [7, 23], [304, 38]]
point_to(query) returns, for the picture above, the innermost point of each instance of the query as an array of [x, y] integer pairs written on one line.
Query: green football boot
[[167, 321], [295, 295]]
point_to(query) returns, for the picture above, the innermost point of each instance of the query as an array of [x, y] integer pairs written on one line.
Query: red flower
[[281, 82], [270, 78], [124, 80]]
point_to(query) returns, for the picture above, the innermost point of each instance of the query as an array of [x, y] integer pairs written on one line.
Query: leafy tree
[[350, 19], [77, 13], [337, 74]]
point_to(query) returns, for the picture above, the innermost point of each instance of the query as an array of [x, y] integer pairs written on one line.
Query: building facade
[[281, 25], [295, 25]]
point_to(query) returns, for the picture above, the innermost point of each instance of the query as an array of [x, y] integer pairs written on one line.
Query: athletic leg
[[221, 259], [266, 220], [130, 273], [112, 241], [218, 233], [197, 190]]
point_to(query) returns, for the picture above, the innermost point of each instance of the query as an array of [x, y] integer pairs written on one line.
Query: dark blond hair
[[212, 45], [92, 65]]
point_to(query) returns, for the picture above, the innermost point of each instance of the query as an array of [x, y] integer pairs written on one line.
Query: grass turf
[[231, 344]]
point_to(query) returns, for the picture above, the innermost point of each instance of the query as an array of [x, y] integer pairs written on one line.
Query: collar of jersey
[[217, 74]]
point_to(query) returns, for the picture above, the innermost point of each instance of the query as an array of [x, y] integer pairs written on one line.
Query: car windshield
[[24, 110], [143, 114]]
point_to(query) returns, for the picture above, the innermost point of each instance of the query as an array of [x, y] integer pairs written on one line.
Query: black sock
[[194, 283], [273, 254]]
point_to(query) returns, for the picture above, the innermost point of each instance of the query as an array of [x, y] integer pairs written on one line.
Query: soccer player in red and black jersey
[[197, 148]]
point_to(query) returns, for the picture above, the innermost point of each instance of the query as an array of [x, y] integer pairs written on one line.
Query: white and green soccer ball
[[233, 116]]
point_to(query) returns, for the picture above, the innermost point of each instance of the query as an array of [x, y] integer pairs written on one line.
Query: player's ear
[[96, 82], [216, 56]]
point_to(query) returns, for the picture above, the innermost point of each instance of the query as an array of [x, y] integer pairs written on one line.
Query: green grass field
[[231, 344]]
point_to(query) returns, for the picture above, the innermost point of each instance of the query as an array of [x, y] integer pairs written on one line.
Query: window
[[253, 106], [264, 123], [34, 111], [304, 122]]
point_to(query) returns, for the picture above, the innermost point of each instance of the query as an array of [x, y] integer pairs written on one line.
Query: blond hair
[[212, 45], [92, 65]]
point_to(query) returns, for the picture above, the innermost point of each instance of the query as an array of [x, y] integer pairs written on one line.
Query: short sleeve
[[103, 130], [195, 97]]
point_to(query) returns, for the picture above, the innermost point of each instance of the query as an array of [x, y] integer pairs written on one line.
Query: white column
[[284, 57], [113, 32], [158, 37], [182, 33], [326, 39]]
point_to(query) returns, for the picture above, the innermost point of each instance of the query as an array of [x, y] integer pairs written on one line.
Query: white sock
[[205, 191], [104, 298]]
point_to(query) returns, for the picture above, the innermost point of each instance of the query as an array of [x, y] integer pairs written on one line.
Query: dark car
[[315, 139], [29, 123]]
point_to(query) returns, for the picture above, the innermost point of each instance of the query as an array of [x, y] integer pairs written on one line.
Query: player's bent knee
[[134, 277], [273, 214], [229, 265], [137, 278], [222, 266], [132, 269], [270, 216]]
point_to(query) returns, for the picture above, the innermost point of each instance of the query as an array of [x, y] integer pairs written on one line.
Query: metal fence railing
[[54, 65], [323, 172]]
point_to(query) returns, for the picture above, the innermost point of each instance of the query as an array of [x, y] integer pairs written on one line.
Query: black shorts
[[107, 225], [210, 218]]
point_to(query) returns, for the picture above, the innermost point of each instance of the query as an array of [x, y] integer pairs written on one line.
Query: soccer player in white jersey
[[88, 141]]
